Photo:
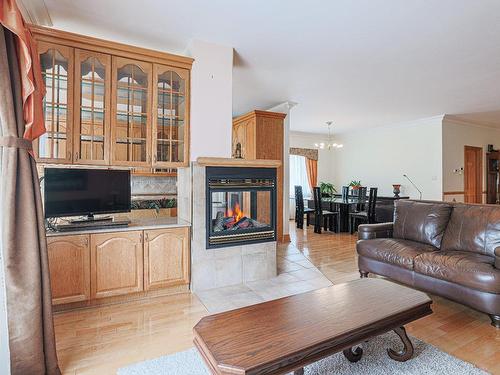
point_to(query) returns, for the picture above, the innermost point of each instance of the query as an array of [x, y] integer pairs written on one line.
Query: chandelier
[[329, 144]]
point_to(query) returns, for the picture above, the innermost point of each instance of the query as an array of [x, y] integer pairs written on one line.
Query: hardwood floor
[[101, 340]]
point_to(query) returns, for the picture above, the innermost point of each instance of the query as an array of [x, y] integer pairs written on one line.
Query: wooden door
[[92, 108], [170, 117], [244, 134], [116, 263], [131, 112], [69, 267], [473, 176], [166, 257], [55, 146]]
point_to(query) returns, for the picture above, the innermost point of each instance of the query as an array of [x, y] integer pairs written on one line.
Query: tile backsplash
[[142, 185]]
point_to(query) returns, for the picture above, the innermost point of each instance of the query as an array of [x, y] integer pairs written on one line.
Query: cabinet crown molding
[[259, 113], [52, 35]]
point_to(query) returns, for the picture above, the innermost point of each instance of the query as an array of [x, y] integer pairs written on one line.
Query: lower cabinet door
[[69, 268], [116, 263], [166, 257]]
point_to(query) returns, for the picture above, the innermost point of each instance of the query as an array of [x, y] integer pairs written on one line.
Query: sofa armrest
[[372, 231], [497, 258]]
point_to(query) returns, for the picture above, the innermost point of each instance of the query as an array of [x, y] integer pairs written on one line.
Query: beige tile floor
[[296, 274]]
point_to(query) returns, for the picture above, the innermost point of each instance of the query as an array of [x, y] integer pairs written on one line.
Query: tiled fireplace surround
[[221, 267]]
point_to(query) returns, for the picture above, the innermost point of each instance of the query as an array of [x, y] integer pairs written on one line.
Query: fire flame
[[236, 212]]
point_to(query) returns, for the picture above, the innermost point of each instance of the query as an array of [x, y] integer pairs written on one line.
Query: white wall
[[211, 99], [380, 156], [456, 135], [325, 157]]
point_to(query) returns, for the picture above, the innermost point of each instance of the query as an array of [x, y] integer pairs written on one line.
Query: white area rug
[[375, 361]]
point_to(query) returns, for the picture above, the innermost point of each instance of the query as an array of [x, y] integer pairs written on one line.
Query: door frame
[[479, 173]]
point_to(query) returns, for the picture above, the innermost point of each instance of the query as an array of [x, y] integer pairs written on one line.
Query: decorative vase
[[396, 190]]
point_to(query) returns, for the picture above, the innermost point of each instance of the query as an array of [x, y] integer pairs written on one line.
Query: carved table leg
[[300, 371], [353, 356], [407, 352]]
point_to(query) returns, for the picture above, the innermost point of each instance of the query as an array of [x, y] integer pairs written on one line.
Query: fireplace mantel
[[232, 162]]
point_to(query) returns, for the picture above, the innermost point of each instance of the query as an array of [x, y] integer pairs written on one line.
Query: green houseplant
[[355, 184], [327, 189]]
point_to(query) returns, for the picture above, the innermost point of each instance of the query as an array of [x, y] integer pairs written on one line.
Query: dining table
[[344, 205], [384, 207]]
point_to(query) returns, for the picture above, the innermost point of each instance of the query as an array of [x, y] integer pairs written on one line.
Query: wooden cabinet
[[99, 267], [112, 104], [117, 263], [69, 265], [91, 141], [55, 146], [166, 257], [259, 135], [131, 126], [171, 116]]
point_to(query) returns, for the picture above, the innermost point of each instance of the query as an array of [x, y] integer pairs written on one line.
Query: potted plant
[[150, 208], [355, 185], [327, 189]]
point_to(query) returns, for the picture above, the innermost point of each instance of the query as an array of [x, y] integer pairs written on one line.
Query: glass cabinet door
[[92, 98], [131, 124], [57, 71], [171, 116]]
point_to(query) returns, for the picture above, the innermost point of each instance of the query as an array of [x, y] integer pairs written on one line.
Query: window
[[298, 175]]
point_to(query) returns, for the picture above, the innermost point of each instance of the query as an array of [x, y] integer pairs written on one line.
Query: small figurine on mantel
[[396, 190], [237, 151]]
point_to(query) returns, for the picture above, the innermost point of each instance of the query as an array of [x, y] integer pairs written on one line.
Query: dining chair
[[362, 197], [345, 192], [327, 219], [300, 210], [367, 216]]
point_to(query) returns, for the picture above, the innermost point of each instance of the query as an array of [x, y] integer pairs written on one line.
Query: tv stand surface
[[91, 224]]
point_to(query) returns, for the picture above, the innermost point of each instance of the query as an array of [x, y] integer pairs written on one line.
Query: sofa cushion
[[475, 271], [394, 251], [423, 222], [474, 228]]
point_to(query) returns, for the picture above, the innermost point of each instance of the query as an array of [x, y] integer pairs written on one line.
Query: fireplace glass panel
[[241, 206], [234, 211]]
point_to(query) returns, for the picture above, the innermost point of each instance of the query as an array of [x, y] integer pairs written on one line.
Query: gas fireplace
[[241, 205]]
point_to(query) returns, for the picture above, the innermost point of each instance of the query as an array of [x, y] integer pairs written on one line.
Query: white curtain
[[298, 176]]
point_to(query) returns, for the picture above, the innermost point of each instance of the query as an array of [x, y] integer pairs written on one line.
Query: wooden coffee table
[[286, 334]]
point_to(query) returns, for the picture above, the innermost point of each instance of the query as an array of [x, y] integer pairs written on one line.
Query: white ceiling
[[359, 63]]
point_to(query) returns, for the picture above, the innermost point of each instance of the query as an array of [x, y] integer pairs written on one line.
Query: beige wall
[[325, 157], [380, 156], [456, 135]]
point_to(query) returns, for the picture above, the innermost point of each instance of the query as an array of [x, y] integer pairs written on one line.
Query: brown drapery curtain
[[312, 172], [28, 296]]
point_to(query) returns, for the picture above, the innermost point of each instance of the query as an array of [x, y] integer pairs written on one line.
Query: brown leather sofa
[[451, 250]]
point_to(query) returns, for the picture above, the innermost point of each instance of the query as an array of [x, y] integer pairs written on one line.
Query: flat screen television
[[74, 192]]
